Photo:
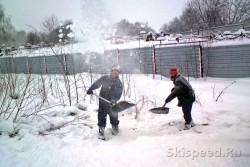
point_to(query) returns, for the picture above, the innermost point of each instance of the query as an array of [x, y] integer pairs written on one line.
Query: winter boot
[[101, 133], [187, 126], [115, 130], [192, 123]]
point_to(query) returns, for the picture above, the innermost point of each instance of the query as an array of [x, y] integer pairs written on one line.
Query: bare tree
[[208, 11], [49, 24], [190, 19], [174, 26], [221, 12], [203, 14], [6, 29], [33, 38], [236, 11]]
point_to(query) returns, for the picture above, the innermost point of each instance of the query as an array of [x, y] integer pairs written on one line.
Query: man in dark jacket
[[111, 90], [185, 95]]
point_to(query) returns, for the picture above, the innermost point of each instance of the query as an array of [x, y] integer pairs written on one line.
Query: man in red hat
[[185, 95]]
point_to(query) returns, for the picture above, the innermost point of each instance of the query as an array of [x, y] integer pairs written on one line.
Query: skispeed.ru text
[[218, 153]]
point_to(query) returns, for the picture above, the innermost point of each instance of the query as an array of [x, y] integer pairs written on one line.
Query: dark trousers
[[187, 108], [104, 110]]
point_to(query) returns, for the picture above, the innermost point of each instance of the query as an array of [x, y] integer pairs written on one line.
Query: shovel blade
[[122, 105], [160, 110]]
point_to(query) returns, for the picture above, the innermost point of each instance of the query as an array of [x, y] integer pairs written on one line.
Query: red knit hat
[[173, 71]]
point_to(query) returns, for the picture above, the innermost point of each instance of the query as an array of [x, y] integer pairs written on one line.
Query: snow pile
[[66, 136]]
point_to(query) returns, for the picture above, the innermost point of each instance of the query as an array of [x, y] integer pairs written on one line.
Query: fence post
[[45, 65], [12, 65], [201, 62], [154, 63], [27, 65]]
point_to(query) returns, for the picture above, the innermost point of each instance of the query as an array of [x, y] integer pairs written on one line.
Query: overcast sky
[[33, 12]]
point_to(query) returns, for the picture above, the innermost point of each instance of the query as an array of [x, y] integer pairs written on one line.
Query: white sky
[[33, 12]]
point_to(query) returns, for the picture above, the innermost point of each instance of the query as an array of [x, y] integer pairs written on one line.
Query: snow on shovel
[[160, 110], [118, 107]]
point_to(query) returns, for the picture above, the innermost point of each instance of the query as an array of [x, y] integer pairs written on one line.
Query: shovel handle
[[102, 98], [164, 105]]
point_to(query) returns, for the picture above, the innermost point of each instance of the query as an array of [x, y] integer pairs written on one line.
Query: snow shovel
[[118, 107], [160, 110]]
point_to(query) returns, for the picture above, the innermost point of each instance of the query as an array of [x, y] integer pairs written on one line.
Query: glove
[[168, 99], [90, 92], [112, 102]]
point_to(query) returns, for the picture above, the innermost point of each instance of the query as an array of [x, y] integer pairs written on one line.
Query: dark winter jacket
[[182, 90], [111, 87]]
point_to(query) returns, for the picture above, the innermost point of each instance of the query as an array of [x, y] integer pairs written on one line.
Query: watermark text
[[193, 154]]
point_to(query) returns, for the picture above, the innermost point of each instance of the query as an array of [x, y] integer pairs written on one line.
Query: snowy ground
[[149, 140]]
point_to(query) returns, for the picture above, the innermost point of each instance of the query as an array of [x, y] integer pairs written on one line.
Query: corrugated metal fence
[[227, 61], [186, 57], [193, 59], [57, 64]]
